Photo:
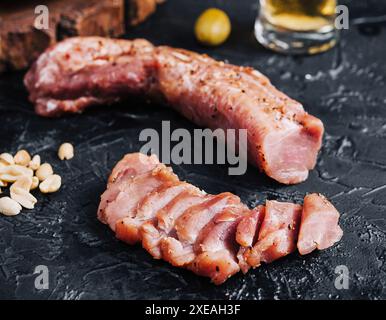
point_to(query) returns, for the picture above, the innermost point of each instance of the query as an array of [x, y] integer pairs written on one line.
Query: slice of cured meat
[[212, 235], [278, 233], [132, 165], [216, 247], [319, 227], [247, 233], [130, 197]]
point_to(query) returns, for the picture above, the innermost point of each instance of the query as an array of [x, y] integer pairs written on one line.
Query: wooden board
[[21, 40]]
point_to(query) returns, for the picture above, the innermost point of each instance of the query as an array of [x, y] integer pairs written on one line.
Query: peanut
[[6, 159], [51, 184], [9, 207], [44, 171], [35, 183], [23, 182], [66, 151], [12, 172], [23, 197], [22, 157], [34, 164]]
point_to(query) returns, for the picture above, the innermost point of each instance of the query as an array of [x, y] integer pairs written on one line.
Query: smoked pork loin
[[282, 139], [213, 235]]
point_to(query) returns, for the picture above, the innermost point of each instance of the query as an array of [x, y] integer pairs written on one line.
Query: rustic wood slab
[[22, 39]]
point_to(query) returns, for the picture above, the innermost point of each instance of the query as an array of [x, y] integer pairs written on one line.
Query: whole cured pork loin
[[213, 235], [283, 139]]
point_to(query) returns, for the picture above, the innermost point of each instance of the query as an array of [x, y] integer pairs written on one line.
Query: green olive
[[212, 27]]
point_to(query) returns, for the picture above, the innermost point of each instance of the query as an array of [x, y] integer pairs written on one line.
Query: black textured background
[[345, 87]]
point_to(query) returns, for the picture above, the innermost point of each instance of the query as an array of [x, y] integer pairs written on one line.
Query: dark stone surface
[[345, 87]]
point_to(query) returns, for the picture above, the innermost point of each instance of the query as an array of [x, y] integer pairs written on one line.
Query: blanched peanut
[[23, 182], [44, 171], [9, 207], [23, 197], [34, 164], [66, 151], [22, 157], [35, 183], [51, 184], [6, 158], [12, 172]]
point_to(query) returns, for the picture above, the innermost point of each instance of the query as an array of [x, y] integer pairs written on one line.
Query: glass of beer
[[297, 26]]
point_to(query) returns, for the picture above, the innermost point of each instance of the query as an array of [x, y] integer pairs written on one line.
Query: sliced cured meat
[[278, 233], [189, 225], [130, 166], [218, 266], [148, 210], [133, 164], [247, 233], [242, 257], [127, 200], [212, 235], [139, 211], [174, 252], [111, 193], [151, 238], [216, 246], [319, 227], [220, 232], [283, 139], [168, 215], [249, 226], [160, 198], [160, 243]]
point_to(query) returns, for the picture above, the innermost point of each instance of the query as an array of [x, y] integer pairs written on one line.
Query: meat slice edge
[[130, 166], [216, 247], [278, 233], [247, 233], [128, 199], [147, 215], [319, 227]]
